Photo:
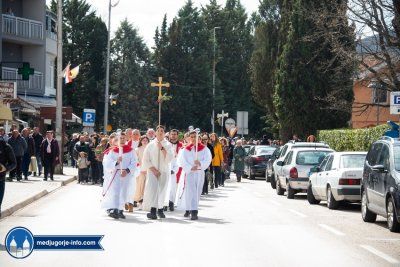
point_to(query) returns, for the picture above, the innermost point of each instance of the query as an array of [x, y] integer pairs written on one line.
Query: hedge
[[352, 139]]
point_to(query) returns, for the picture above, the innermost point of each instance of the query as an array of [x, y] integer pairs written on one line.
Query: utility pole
[[59, 129], [107, 90], [214, 64]]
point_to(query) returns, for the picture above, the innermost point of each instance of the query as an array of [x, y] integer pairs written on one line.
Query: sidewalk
[[20, 194]]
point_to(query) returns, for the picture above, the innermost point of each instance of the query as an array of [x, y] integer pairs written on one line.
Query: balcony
[[35, 85], [21, 27]]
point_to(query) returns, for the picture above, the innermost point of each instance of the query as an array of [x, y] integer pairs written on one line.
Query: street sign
[[8, 90], [229, 123], [395, 103], [89, 117], [242, 118]]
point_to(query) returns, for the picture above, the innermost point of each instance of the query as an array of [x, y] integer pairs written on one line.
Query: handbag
[[33, 165]]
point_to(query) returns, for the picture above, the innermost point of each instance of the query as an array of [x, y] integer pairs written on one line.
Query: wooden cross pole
[[160, 85]]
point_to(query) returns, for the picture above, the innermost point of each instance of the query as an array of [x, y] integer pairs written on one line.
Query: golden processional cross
[[160, 85]]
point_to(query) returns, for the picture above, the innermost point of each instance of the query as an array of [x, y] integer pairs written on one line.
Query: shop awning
[[5, 113]]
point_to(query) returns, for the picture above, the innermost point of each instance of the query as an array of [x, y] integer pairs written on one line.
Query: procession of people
[[160, 171]]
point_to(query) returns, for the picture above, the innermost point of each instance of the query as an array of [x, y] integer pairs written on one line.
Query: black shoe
[[187, 213], [171, 206], [40, 173], [194, 215], [165, 208], [152, 214], [161, 214], [34, 174], [51, 178], [121, 214], [135, 204], [114, 214], [45, 179]]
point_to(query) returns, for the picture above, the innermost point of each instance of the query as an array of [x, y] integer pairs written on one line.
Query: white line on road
[[331, 229], [380, 254], [298, 213], [275, 203]]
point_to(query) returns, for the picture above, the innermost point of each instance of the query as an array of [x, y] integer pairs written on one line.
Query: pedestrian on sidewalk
[[226, 151], [239, 154], [29, 152], [82, 154], [50, 154], [3, 134], [206, 141], [38, 138], [99, 155], [19, 147], [217, 160], [7, 163]]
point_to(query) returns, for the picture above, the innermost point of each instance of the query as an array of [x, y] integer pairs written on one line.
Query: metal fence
[[34, 84], [22, 27]]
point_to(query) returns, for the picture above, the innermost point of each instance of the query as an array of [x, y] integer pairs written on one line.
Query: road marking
[[275, 203], [298, 213], [331, 229], [380, 254]]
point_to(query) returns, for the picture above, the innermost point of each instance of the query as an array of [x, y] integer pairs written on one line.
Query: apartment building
[[29, 35]]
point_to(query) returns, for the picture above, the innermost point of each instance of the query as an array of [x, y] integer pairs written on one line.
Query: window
[[314, 157], [329, 163], [384, 158], [288, 158], [283, 151], [379, 95], [323, 163], [352, 161], [373, 154]]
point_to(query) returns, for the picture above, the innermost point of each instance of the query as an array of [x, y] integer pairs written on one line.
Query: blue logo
[[19, 242]]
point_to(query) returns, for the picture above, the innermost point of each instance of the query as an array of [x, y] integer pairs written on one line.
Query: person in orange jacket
[[217, 160]]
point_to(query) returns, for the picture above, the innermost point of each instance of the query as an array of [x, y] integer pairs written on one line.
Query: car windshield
[[396, 152], [353, 161], [265, 150], [311, 157]]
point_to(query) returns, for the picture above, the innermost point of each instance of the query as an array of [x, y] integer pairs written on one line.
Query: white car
[[295, 169], [338, 178], [284, 152]]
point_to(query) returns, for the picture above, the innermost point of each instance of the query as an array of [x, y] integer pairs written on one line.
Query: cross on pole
[[160, 85], [222, 116]]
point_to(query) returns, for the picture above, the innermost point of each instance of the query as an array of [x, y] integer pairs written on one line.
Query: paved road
[[244, 224]]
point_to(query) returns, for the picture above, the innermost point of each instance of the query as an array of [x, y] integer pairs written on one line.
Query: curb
[[26, 202]]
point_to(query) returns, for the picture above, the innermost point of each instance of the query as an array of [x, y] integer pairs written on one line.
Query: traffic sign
[[89, 117], [395, 103], [242, 118]]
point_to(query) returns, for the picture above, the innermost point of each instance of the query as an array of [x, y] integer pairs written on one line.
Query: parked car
[[380, 187], [337, 179], [269, 172], [247, 148], [294, 170], [283, 153], [256, 161]]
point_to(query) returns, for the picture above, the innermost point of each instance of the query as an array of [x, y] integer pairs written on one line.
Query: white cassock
[[194, 180], [155, 191], [174, 172], [131, 183], [115, 187]]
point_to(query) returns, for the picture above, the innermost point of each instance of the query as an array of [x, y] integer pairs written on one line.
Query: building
[[29, 35]]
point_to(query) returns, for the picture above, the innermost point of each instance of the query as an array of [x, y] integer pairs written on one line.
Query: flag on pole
[[75, 72], [70, 74]]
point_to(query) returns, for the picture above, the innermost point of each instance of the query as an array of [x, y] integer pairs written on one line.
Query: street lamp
[[106, 93], [214, 64]]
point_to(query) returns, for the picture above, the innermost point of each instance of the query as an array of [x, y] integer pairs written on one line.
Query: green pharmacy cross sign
[[26, 71]]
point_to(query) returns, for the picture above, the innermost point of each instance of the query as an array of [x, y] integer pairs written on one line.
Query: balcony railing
[[35, 83], [22, 27]]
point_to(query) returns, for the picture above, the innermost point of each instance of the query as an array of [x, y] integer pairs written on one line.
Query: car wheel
[[279, 189], [245, 174], [289, 192], [331, 202], [310, 196], [367, 215], [267, 177], [273, 182], [393, 223]]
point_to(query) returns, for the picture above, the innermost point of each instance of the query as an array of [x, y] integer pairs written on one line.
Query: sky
[[146, 15]]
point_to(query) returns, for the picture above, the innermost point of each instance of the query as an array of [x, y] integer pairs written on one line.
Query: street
[[244, 224]]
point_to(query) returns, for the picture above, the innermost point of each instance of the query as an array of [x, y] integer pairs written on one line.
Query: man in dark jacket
[[7, 163], [30, 152], [19, 147], [38, 138], [50, 153], [82, 149]]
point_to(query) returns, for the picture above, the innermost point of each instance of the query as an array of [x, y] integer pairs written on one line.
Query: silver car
[[295, 169]]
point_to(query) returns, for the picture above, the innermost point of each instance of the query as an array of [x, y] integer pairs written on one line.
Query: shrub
[[352, 139]]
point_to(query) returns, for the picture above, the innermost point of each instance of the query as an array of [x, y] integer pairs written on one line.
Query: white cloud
[[146, 15]]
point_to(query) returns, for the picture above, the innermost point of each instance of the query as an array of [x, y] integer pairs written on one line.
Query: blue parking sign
[[396, 99], [89, 117]]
